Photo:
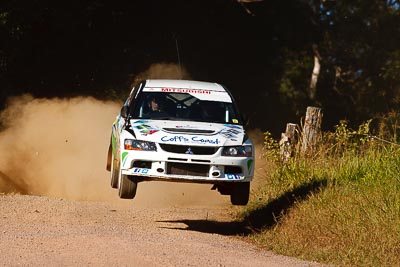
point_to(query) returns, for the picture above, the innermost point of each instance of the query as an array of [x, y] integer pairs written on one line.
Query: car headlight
[[238, 151], [131, 144]]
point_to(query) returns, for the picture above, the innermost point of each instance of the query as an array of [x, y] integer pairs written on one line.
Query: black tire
[[114, 172], [240, 193], [126, 187]]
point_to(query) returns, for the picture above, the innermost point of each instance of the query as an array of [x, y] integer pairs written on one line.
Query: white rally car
[[181, 131]]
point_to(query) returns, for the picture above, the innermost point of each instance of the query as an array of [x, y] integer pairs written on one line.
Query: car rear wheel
[[114, 172], [126, 187], [240, 193]]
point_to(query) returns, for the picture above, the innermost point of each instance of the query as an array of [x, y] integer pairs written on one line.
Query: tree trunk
[[315, 74]]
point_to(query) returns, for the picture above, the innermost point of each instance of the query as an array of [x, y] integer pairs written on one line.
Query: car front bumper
[[161, 165]]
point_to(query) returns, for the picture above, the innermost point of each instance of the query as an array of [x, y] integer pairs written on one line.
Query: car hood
[[188, 132]]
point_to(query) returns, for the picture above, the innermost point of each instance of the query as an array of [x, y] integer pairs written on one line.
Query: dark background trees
[[262, 50]]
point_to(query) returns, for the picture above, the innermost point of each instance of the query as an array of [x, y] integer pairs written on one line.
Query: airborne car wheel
[[114, 172], [240, 193], [126, 187]]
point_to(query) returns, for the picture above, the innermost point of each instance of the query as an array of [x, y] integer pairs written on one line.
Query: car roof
[[186, 84]]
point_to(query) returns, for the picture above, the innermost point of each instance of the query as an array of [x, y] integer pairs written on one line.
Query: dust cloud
[[163, 71], [55, 147]]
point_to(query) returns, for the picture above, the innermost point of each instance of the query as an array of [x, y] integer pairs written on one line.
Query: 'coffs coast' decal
[[190, 139]]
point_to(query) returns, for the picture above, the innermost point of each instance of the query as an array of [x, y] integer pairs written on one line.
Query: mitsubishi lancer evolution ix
[[181, 131]]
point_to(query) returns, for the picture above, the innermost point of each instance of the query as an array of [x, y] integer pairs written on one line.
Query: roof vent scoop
[[188, 131]]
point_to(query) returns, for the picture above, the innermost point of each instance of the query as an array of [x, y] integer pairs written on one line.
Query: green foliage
[[360, 60], [3, 18], [389, 126], [271, 147], [344, 139], [293, 84], [342, 207]]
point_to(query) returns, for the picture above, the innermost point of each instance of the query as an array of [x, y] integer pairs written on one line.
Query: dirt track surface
[[58, 232]]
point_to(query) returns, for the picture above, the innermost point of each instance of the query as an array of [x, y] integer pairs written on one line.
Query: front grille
[[188, 169], [142, 164], [178, 159], [233, 169], [195, 150]]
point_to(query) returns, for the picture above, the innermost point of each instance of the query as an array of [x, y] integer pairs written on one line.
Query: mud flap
[[108, 166]]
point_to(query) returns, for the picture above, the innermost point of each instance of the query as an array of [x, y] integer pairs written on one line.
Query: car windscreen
[[183, 106]]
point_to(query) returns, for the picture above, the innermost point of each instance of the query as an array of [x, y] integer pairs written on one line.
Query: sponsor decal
[[140, 170], [249, 164], [202, 140], [124, 154], [178, 139], [120, 122], [193, 139], [233, 126], [232, 176], [183, 90], [146, 129], [201, 94], [114, 145], [229, 133], [141, 122]]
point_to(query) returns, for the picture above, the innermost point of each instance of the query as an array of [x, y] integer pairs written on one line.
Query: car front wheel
[[126, 187], [240, 193]]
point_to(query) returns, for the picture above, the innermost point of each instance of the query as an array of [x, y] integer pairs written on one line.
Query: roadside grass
[[340, 207]]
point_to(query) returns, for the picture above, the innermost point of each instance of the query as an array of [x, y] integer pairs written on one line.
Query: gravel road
[[58, 232]]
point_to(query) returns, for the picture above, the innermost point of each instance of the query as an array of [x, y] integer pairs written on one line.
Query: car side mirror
[[124, 112]]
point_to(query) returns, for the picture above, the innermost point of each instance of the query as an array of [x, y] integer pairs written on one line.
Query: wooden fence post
[[288, 141], [311, 131]]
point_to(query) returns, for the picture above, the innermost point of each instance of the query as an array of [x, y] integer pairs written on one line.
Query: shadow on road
[[264, 217], [212, 227]]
